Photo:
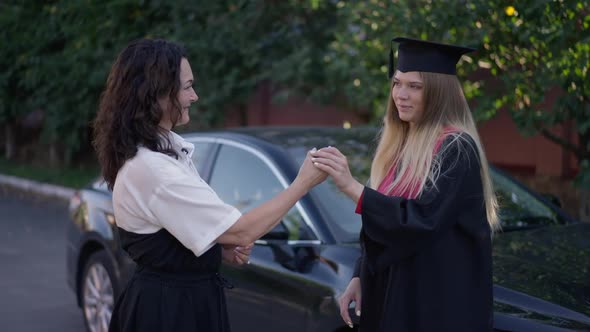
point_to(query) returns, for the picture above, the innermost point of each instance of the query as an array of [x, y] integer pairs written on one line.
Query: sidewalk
[[35, 187]]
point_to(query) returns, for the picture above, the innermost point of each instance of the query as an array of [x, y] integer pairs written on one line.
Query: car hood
[[544, 274]]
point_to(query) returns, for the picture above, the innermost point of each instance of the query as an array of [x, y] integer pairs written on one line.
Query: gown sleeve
[[356, 273], [395, 228]]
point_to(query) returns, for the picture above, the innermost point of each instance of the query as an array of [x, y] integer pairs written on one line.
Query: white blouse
[[154, 191]]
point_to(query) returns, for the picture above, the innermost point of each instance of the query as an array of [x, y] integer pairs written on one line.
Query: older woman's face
[[186, 96], [408, 96]]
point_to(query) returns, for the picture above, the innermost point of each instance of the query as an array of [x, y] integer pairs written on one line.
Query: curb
[[35, 187]]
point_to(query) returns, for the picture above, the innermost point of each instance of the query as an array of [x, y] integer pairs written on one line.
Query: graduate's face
[[408, 95], [186, 96]]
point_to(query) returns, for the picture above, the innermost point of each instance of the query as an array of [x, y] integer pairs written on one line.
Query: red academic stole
[[413, 191], [408, 194]]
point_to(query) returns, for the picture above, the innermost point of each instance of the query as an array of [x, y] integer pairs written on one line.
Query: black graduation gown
[[171, 288], [427, 262]]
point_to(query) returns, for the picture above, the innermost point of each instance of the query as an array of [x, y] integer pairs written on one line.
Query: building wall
[[295, 111], [534, 155]]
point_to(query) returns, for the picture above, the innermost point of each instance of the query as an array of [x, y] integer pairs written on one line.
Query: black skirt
[[171, 289]]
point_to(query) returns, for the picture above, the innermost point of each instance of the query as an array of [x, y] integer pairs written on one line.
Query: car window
[[201, 148], [518, 207], [244, 180], [100, 185]]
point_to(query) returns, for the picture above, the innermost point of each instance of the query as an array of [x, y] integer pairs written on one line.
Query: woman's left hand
[[237, 255], [333, 162]]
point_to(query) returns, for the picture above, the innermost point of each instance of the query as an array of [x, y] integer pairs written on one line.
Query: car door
[[272, 293]]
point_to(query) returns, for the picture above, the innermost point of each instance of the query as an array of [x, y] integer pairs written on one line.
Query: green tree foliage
[[15, 89], [57, 57], [236, 45], [57, 54], [536, 48]]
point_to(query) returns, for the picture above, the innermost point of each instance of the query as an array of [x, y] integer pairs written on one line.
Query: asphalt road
[[34, 295]]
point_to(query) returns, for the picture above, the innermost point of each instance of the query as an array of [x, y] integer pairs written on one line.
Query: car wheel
[[98, 292]]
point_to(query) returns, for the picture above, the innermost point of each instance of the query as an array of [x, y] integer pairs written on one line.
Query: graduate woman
[[430, 211], [170, 222]]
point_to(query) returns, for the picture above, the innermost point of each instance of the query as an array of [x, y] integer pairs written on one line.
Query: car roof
[[289, 137]]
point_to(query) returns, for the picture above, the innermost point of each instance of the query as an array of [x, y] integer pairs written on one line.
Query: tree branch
[[576, 149]]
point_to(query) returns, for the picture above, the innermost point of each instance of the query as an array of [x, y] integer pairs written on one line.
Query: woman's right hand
[[352, 293], [333, 162], [309, 175]]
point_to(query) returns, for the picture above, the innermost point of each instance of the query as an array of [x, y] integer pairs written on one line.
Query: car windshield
[[519, 208]]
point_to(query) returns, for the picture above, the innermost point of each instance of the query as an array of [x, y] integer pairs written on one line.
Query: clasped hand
[[333, 162], [237, 255]]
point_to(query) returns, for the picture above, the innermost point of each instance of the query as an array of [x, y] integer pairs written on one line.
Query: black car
[[299, 269]]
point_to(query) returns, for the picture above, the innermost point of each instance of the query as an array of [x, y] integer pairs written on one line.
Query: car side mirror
[[552, 198], [279, 232]]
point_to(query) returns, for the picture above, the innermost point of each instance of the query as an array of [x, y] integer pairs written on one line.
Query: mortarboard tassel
[[391, 61]]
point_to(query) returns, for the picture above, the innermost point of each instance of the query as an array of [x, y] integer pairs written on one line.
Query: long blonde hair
[[411, 150]]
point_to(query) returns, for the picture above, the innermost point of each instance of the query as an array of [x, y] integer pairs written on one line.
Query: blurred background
[[287, 63], [303, 62]]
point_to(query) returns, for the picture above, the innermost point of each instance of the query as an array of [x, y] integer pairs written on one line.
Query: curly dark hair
[[129, 113]]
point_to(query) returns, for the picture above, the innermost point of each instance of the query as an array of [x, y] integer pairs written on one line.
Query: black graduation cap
[[421, 55]]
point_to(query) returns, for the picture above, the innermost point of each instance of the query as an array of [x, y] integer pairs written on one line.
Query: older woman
[[170, 221]]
